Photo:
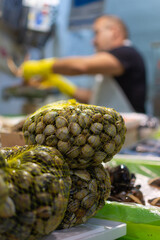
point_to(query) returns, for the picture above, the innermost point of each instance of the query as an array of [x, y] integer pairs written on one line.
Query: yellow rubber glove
[[39, 68], [63, 84]]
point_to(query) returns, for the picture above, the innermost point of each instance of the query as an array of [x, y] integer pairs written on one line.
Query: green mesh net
[[90, 188], [86, 135], [57, 180], [34, 191]]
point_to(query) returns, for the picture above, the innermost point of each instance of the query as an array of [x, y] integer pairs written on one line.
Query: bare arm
[[103, 63]]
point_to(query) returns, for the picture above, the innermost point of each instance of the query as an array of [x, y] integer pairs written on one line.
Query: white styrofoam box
[[94, 229]]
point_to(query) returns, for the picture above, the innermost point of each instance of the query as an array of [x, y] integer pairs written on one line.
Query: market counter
[[94, 229]]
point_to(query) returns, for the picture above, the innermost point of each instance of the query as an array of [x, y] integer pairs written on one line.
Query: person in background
[[115, 57]]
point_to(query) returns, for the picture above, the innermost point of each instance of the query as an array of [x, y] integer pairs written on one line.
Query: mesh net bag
[[34, 191], [86, 135], [90, 188]]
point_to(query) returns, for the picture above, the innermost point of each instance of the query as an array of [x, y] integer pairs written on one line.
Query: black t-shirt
[[133, 80]]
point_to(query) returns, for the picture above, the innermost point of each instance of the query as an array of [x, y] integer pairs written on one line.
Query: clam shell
[[87, 151], [97, 117], [73, 118], [44, 212], [27, 218], [93, 186], [80, 140], [62, 133], [51, 140], [49, 117], [110, 130], [61, 122], [31, 139], [73, 206], [74, 152], [31, 128], [3, 191], [94, 141], [109, 147], [108, 118], [81, 194], [7, 209], [83, 174], [89, 200], [63, 147], [84, 120], [96, 128], [99, 157], [49, 130], [74, 128], [40, 127], [33, 168], [40, 139], [117, 139], [22, 179]]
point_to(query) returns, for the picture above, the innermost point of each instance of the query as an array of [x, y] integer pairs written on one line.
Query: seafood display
[[57, 179], [130, 188], [155, 183], [86, 135], [34, 191], [123, 188], [155, 201]]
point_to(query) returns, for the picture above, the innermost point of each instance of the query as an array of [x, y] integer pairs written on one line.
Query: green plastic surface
[[143, 222], [149, 168]]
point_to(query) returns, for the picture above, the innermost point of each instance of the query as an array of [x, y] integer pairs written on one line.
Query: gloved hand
[[62, 83], [40, 67]]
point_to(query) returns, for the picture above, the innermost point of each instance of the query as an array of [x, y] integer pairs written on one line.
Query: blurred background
[[55, 28]]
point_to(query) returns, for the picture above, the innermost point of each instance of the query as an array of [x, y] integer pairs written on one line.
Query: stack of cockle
[[34, 190], [85, 136]]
